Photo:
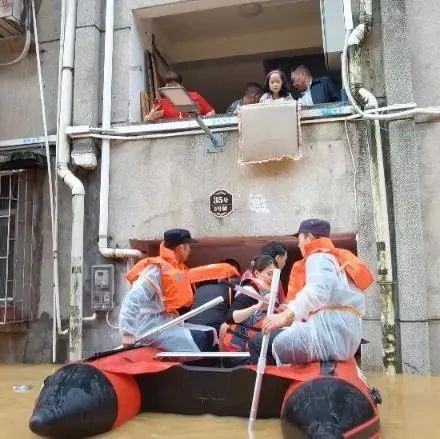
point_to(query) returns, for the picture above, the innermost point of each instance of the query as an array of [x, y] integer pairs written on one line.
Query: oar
[[181, 318], [262, 360], [245, 291], [178, 320]]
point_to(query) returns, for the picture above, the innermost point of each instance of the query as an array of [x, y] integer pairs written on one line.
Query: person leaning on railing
[[164, 109], [252, 95]]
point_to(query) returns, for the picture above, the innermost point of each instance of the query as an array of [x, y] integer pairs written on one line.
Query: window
[[219, 50], [16, 237]]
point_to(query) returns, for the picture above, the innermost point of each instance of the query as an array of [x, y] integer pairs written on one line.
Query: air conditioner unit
[[333, 32], [11, 23]]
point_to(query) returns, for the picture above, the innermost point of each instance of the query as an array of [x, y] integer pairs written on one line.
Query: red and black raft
[[319, 400]]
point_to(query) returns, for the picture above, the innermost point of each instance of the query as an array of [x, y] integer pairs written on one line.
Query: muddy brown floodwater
[[410, 409]]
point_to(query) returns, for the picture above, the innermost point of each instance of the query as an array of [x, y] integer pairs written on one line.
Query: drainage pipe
[[105, 145], [352, 76], [75, 185], [56, 319], [383, 242], [57, 328], [381, 221]]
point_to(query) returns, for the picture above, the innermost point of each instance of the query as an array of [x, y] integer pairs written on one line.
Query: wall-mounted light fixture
[[181, 99]]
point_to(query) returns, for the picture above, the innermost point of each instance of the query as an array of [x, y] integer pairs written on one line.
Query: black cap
[[316, 227], [174, 237]]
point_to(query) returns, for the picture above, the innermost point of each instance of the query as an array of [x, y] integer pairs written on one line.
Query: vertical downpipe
[[75, 185], [106, 124], [384, 263], [378, 185], [106, 251], [76, 280]]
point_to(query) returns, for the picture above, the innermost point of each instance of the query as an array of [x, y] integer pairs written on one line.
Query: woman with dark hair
[[246, 314], [276, 88], [278, 252]]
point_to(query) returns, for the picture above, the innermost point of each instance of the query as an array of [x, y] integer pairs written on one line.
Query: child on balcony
[[276, 88]]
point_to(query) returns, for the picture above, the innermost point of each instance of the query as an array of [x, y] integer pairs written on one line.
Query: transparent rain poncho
[[318, 333], [143, 309]]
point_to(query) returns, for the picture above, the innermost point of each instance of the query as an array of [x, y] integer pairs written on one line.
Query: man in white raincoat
[[159, 289], [324, 321]]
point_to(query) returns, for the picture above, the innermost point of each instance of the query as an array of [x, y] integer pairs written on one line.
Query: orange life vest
[[237, 335], [209, 272], [212, 272], [176, 286], [355, 269], [296, 279]]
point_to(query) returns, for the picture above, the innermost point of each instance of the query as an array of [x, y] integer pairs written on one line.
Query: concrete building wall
[[423, 20], [20, 111], [20, 117], [400, 65], [269, 200], [151, 190], [427, 137], [410, 74], [158, 184]]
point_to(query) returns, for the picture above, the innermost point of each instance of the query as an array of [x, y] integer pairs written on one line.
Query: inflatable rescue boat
[[318, 400]]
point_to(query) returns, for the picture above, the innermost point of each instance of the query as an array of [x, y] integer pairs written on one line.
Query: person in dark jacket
[[215, 316], [209, 290], [312, 91]]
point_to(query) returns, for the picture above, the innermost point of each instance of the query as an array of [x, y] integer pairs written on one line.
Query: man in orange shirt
[[164, 109]]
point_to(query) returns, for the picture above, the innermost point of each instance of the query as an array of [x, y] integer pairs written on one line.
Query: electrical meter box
[[103, 287], [11, 14]]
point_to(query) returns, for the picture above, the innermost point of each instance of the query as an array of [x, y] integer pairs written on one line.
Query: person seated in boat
[[324, 320], [205, 279], [164, 109], [246, 315], [159, 288], [278, 252]]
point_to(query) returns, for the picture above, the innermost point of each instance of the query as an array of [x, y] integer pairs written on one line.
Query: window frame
[[17, 306], [151, 9]]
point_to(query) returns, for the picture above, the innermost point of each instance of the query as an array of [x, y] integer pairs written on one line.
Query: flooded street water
[[410, 409]]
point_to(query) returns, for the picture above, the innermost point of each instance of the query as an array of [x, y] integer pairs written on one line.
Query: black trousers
[[204, 340], [255, 343]]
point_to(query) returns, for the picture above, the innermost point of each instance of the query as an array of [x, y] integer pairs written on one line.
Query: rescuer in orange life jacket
[[160, 286], [323, 319]]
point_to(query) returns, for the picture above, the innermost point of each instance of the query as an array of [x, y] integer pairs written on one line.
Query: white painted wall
[[275, 40], [166, 183]]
